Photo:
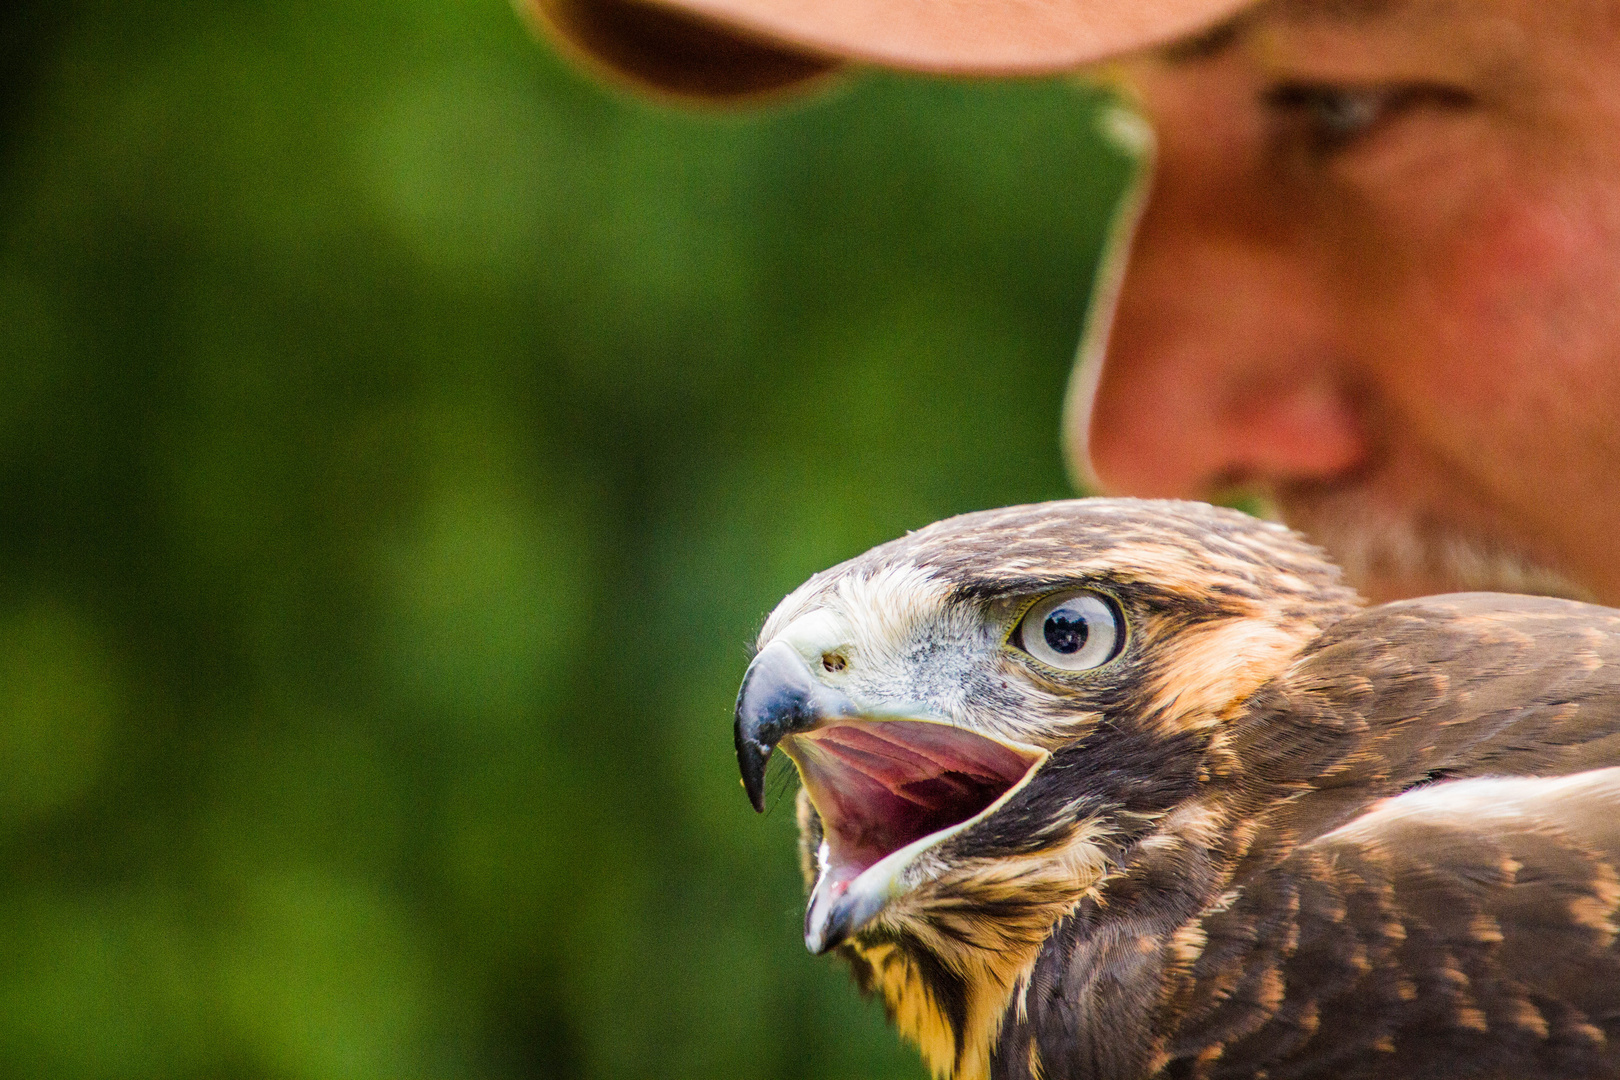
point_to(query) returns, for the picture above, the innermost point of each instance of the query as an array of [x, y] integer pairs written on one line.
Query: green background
[[401, 440]]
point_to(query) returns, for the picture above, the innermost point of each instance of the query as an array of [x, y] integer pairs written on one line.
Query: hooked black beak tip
[[752, 758], [778, 697]]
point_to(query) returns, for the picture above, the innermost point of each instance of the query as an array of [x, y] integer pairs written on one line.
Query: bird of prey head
[[1079, 781]]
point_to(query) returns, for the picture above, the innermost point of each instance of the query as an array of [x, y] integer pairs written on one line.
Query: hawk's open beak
[[887, 782], [779, 697]]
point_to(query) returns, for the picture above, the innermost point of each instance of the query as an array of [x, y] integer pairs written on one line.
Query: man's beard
[[1389, 555]]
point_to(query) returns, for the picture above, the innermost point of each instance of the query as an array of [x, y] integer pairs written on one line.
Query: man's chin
[[1392, 556]]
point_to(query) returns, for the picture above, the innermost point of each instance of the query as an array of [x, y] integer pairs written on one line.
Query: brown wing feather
[[1394, 917], [1475, 684], [1463, 929]]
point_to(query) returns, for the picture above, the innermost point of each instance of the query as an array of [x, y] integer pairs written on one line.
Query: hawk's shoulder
[[1436, 894], [1465, 928], [1471, 684]]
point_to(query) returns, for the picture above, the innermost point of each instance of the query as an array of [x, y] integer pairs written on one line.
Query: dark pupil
[[1065, 631]]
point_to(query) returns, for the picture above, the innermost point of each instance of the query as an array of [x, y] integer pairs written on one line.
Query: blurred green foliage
[[401, 439]]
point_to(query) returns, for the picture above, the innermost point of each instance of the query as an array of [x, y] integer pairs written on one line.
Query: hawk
[[1115, 789]]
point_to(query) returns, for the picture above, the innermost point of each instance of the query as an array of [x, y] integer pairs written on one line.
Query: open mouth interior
[[880, 785]]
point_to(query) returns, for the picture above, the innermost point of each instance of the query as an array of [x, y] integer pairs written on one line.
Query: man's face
[[1378, 279]]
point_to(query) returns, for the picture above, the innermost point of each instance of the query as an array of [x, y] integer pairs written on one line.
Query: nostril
[[833, 662]]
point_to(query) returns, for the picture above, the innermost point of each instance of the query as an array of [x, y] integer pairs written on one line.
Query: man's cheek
[[1510, 320]]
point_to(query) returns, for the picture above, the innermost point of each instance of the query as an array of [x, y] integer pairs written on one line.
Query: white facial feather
[[901, 647]]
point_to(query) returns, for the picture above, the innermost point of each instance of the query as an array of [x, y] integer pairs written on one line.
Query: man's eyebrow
[[1342, 11], [1209, 44], [1224, 35]]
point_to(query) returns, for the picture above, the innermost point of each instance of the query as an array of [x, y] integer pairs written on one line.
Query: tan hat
[[739, 48]]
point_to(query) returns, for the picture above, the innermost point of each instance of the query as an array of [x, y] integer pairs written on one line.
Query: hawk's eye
[[1073, 631]]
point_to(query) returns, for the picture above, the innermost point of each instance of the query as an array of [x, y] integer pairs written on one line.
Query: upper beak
[[779, 697]]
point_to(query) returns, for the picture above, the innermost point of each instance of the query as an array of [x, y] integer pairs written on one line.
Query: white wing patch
[[1589, 800], [1489, 800]]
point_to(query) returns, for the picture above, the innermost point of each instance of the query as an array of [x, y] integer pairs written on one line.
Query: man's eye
[[1327, 117]]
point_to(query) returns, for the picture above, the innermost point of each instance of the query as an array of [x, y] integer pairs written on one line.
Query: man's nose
[[1222, 367]]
